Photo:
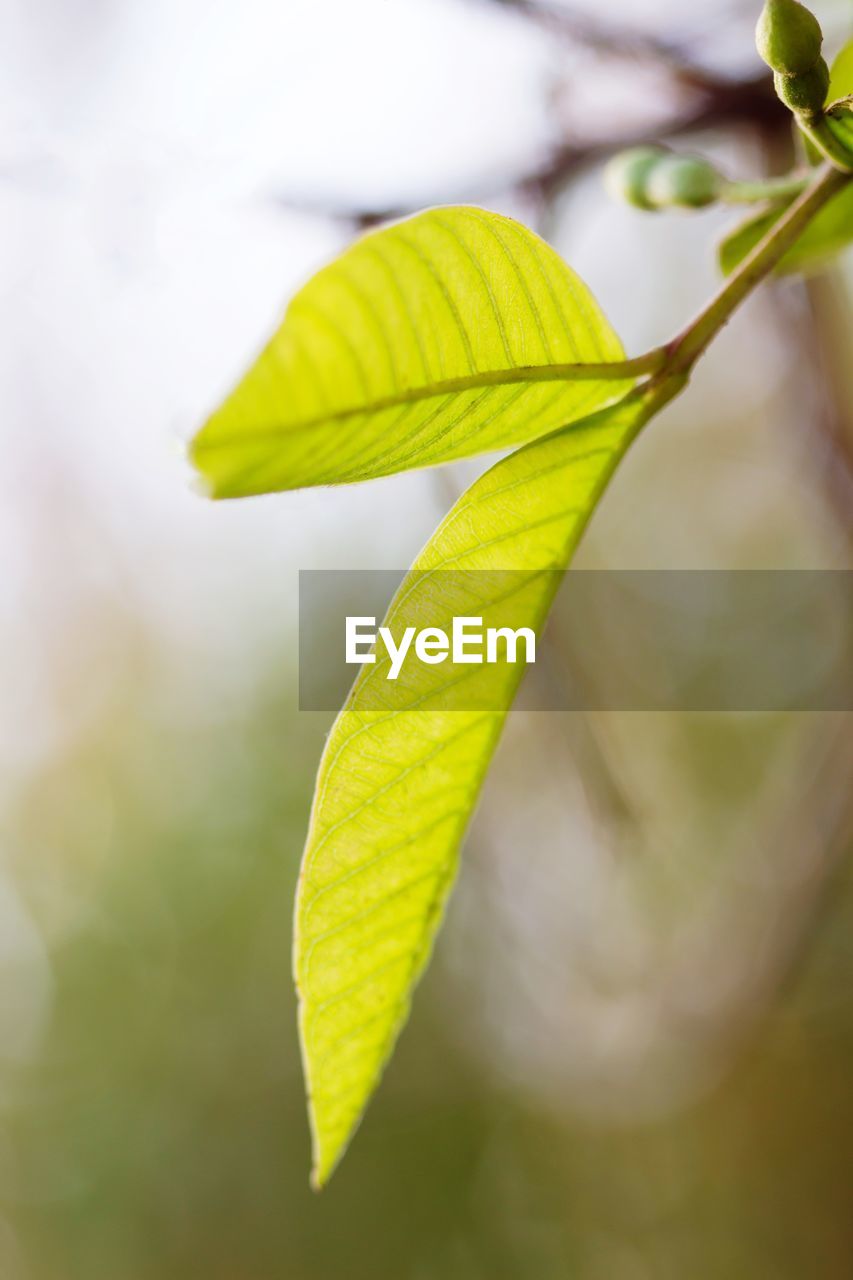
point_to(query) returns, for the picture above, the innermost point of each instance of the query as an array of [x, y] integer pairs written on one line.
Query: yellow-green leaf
[[841, 74], [447, 334], [397, 785], [840, 86], [839, 121]]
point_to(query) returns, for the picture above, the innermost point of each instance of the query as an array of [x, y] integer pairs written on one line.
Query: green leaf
[[841, 74], [839, 119], [743, 238], [445, 335], [397, 786], [840, 86], [826, 235]]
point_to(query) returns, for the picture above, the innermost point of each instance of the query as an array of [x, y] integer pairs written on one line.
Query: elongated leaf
[[841, 74], [447, 334], [827, 234], [839, 119], [397, 786]]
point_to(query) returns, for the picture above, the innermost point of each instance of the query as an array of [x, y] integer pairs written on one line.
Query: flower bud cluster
[[655, 178], [789, 39]]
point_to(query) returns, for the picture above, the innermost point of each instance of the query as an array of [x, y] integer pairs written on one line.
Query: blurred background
[[631, 1059]]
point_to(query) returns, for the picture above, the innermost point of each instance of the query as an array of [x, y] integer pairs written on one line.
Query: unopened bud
[[687, 182], [788, 37], [627, 174], [804, 94]]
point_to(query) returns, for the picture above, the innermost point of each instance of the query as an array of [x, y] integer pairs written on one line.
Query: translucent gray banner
[[667, 640]]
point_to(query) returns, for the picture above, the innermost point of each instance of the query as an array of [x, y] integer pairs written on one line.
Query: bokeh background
[[632, 1057]]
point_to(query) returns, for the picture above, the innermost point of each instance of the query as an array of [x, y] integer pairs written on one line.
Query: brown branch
[[615, 41], [749, 103]]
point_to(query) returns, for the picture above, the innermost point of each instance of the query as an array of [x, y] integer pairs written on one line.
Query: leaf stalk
[[689, 345], [819, 133], [759, 192]]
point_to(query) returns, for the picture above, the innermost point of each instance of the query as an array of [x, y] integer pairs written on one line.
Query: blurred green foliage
[[157, 1130]]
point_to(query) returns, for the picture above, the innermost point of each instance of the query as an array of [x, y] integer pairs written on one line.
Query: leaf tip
[[206, 479], [193, 452], [325, 1158], [202, 487]]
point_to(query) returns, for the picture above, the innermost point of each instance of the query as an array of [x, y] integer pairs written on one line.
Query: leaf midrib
[[612, 370]]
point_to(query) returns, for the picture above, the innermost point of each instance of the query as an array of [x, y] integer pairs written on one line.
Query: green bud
[[627, 175], [804, 94], [788, 37], [685, 181]]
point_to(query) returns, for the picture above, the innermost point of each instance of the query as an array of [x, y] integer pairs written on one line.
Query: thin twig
[[622, 42]]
